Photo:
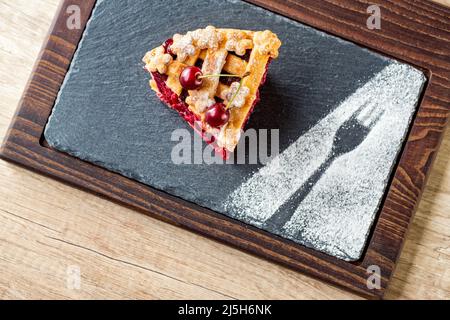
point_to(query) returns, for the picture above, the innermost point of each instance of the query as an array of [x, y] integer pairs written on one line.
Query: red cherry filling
[[166, 46], [217, 115], [190, 78]]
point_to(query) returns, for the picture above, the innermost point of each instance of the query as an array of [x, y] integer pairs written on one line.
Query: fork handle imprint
[[285, 212]]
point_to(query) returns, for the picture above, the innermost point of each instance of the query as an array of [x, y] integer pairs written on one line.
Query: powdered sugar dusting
[[337, 214]]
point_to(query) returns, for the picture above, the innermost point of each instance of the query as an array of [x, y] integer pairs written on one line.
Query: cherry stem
[[237, 91], [218, 75]]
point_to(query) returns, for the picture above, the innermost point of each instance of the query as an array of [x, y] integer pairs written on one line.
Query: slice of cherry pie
[[211, 77]]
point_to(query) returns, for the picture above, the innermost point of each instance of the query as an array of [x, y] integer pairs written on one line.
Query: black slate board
[[106, 114]]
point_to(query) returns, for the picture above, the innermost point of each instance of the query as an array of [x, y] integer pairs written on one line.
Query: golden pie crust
[[220, 50]]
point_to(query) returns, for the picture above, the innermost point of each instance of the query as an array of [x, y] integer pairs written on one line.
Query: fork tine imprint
[[374, 118], [366, 113]]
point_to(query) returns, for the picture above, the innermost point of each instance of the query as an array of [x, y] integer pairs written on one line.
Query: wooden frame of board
[[416, 32]]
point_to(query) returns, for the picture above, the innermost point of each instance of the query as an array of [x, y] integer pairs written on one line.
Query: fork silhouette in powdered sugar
[[347, 138]]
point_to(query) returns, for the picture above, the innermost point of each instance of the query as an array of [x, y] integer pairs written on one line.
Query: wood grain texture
[[47, 226]]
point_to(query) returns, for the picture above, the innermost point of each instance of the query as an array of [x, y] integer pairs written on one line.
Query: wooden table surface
[[50, 232]]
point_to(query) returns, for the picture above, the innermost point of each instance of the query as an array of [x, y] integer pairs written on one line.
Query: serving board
[[26, 146], [324, 187]]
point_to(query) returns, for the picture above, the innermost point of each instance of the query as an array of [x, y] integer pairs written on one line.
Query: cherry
[[190, 78], [166, 46], [217, 115]]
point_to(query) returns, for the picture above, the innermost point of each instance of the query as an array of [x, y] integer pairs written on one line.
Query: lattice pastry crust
[[228, 51]]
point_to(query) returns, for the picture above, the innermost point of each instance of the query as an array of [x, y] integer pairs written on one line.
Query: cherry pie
[[211, 77]]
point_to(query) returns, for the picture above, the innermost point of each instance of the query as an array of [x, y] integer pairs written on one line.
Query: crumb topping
[[239, 43], [157, 60], [201, 101], [183, 46], [208, 38], [267, 42], [187, 45], [241, 95]]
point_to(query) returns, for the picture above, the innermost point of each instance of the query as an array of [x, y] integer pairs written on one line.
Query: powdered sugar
[[337, 214]]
